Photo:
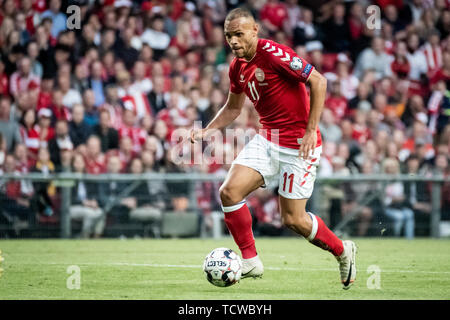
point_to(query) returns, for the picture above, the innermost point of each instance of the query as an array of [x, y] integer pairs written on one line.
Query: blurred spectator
[[362, 99], [125, 153], [33, 54], [114, 106], [79, 130], [400, 65], [109, 136], [360, 192], [155, 36], [123, 49], [44, 126], [91, 112], [80, 80], [305, 30], [143, 205], [156, 95], [116, 207], [84, 205], [329, 130], [443, 168], [395, 201], [95, 159], [96, 83], [21, 79], [8, 126], [418, 197], [443, 74], [43, 191], [336, 102], [132, 99], [374, 58], [416, 58], [59, 110], [60, 142], [58, 18], [272, 15], [130, 129], [141, 82], [433, 52], [179, 192], [337, 37], [13, 203]]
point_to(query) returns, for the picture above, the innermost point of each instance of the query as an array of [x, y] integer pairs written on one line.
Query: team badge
[[296, 63], [259, 74]]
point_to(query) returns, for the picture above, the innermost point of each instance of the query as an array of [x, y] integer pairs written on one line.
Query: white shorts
[[283, 166]]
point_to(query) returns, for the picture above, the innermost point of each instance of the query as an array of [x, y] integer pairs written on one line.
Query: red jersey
[[274, 80], [136, 134], [97, 165], [338, 105], [275, 14]]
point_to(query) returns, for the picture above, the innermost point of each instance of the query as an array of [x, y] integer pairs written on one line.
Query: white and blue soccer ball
[[222, 267]]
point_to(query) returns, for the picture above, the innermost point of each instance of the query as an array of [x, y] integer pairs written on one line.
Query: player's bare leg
[[310, 226], [239, 183]]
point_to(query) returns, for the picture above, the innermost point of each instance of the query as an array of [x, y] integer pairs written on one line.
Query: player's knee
[[296, 221], [228, 196], [288, 221]]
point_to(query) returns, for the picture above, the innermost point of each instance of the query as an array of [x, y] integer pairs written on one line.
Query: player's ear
[[256, 28]]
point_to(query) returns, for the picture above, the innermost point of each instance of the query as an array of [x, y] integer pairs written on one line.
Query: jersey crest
[[259, 75]]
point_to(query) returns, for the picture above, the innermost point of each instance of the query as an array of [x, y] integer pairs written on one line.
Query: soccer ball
[[223, 267]]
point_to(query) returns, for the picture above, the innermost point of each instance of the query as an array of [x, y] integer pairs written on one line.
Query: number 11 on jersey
[[253, 92]]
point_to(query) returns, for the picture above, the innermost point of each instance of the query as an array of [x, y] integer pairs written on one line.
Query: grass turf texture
[[171, 269]]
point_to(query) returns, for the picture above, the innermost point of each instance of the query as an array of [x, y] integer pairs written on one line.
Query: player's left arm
[[318, 89]]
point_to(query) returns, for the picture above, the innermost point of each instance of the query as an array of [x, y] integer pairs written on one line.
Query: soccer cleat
[[347, 264], [252, 267]]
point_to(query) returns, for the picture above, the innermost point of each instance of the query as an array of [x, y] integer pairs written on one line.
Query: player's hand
[[309, 142], [196, 135]]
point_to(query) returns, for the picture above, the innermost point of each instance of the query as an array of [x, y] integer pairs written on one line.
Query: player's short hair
[[239, 13]]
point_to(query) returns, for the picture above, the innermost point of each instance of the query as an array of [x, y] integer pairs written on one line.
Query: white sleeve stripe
[[286, 57], [279, 53]]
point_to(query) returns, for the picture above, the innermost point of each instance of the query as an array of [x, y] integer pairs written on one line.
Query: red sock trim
[[326, 239], [239, 222]]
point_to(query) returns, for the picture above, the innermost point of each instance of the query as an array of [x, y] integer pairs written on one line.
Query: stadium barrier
[[321, 195]]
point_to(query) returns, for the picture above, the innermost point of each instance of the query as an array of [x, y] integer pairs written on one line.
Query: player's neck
[[252, 52]]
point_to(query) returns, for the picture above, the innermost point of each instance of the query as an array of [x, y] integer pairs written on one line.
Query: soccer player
[[287, 148]]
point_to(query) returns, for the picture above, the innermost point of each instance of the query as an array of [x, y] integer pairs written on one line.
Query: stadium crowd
[[108, 96]]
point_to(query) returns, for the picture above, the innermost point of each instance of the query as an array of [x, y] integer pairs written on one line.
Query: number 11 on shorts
[[291, 182]]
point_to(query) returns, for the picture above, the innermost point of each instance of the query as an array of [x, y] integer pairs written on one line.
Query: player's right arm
[[226, 115]]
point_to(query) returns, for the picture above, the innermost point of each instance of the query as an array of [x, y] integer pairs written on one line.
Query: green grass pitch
[[171, 269]]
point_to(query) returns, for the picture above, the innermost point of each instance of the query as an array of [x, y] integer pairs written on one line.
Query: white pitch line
[[192, 266]]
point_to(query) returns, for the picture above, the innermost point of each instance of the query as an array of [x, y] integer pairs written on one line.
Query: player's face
[[242, 37]]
